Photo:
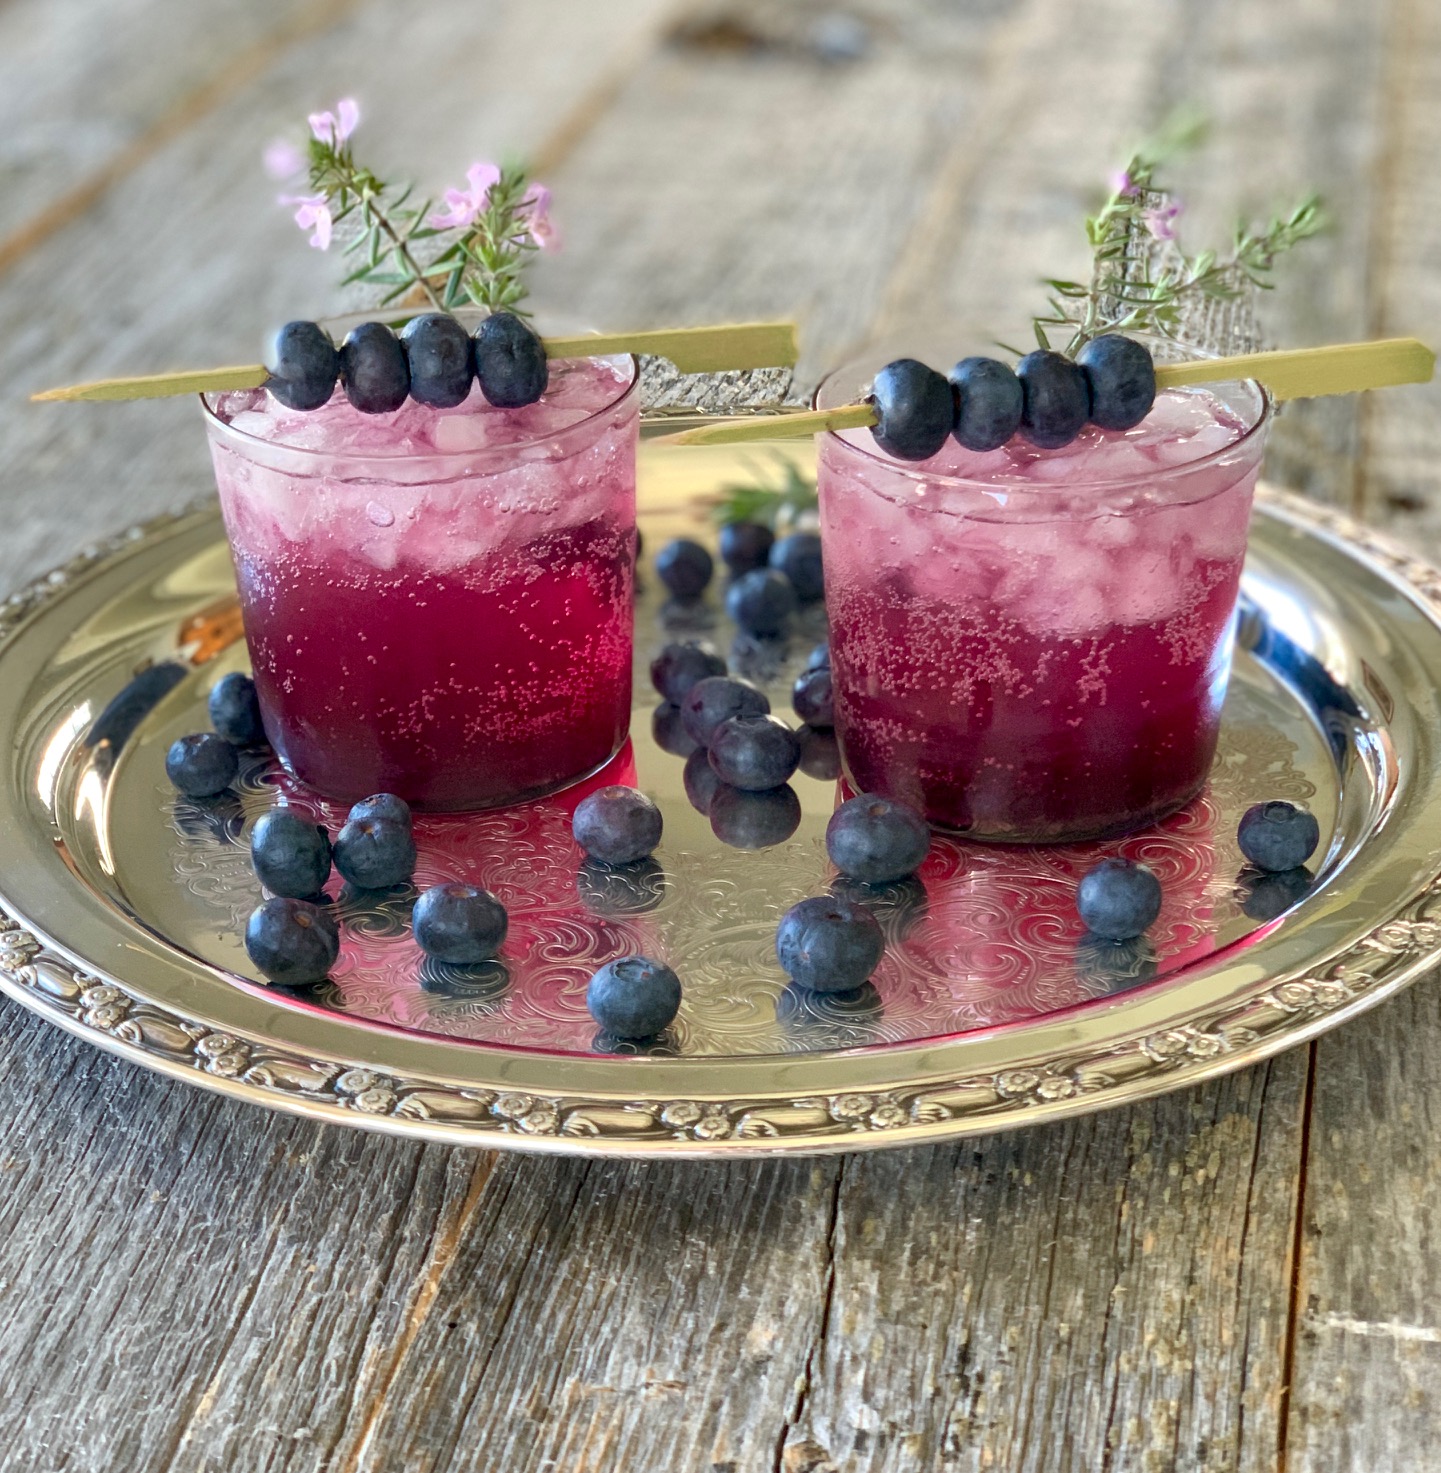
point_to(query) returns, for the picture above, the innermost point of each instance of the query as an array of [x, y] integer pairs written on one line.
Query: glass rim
[[913, 470], [243, 439]]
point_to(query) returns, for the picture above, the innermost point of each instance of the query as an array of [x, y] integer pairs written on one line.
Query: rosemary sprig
[[474, 249], [775, 498], [1149, 290]]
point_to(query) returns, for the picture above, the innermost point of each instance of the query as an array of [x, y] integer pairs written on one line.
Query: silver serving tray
[[122, 906]]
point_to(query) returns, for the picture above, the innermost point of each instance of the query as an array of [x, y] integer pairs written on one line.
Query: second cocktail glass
[[1032, 646]]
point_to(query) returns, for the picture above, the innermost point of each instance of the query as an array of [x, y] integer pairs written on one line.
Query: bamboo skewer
[[1290, 373], [739, 345]]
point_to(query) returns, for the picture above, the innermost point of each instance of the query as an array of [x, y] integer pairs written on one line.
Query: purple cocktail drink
[[438, 602], [1033, 645]]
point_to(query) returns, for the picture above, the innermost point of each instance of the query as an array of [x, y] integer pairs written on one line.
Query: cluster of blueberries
[[433, 360], [1047, 398], [293, 937], [770, 577]]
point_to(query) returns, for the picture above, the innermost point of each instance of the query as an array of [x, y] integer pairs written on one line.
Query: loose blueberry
[[799, 558], [303, 366], [620, 889], [1056, 401], [680, 665], [820, 657], [459, 924], [685, 567], [914, 410], [633, 997], [701, 782], [617, 825], [754, 820], [441, 357], [1278, 836], [291, 941], [813, 697], [668, 732], [989, 402], [761, 602], [877, 840], [829, 945], [1121, 380], [235, 711], [1118, 899], [820, 753], [373, 853], [201, 764], [382, 805], [373, 369], [1268, 895], [745, 545], [754, 752], [510, 362], [291, 854], [717, 698]]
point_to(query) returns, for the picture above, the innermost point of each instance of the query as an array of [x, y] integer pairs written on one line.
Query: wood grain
[[191, 1285]]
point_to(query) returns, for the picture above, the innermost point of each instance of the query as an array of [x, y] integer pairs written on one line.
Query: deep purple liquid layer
[[461, 689]]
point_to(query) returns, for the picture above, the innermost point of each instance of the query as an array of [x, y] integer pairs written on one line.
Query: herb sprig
[[473, 249], [1151, 288], [777, 498]]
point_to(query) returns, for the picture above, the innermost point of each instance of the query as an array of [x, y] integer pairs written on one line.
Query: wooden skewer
[[1290, 373], [737, 345]]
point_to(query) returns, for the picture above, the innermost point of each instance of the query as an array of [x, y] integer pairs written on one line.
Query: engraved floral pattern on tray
[[986, 935]]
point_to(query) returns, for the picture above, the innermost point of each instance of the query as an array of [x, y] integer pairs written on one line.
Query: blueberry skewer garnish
[[914, 407], [988, 403], [510, 362], [1055, 401], [304, 366], [441, 357], [1121, 380], [373, 370]]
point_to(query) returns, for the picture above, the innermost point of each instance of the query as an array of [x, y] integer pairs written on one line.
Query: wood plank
[[87, 91], [1368, 1343]]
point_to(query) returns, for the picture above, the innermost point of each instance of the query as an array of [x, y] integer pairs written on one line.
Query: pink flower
[[463, 205], [1162, 222], [535, 213], [332, 129], [313, 215], [1121, 183], [283, 160]]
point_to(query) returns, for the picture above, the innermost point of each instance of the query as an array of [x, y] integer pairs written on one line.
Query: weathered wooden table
[[1244, 1276]]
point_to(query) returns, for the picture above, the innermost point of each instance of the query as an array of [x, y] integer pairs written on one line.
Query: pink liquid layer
[[460, 639], [1038, 670]]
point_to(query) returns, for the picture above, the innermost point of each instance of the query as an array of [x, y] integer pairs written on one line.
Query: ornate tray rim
[[921, 1101]]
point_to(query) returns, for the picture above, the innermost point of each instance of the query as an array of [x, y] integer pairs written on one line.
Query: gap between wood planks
[[1293, 1301]]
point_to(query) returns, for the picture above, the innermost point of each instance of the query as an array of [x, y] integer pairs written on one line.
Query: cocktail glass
[[438, 603], [1033, 646]]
